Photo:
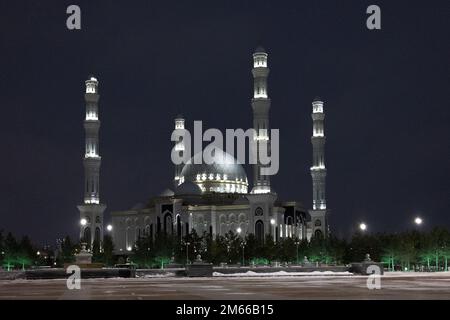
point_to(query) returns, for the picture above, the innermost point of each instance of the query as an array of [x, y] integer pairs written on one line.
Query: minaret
[[91, 212], [260, 106], [179, 146], [318, 171]]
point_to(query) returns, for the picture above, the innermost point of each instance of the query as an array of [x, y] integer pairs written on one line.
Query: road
[[393, 286]]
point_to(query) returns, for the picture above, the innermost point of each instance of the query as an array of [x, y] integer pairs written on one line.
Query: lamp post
[[243, 255], [272, 222], [187, 252], [297, 243]]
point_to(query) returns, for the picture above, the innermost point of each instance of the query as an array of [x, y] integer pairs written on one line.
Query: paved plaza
[[393, 286]]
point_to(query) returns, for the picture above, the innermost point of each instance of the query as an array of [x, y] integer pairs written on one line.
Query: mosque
[[214, 198]]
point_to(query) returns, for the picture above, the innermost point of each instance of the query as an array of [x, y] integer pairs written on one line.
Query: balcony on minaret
[[260, 92], [317, 105], [91, 85], [260, 58], [91, 115]]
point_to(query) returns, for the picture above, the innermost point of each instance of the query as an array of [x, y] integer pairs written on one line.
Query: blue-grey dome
[[188, 188], [166, 193], [260, 49], [225, 175]]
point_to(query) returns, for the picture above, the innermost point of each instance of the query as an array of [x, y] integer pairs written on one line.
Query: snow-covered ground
[[282, 273]]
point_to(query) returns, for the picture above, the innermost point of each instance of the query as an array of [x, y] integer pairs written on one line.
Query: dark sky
[[386, 98]]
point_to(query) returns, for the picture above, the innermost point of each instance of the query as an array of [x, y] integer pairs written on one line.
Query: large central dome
[[225, 175]]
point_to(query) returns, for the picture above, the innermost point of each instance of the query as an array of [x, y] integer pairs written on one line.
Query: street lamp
[[243, 256], [109, 227], [239, 230], [83, 222], [187, 252], [418, 221], [362, 226]]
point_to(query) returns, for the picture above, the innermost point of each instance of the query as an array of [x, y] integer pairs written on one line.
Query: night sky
[[386, 96]]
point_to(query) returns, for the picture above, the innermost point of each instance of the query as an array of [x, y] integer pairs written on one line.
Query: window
[[259, 212]]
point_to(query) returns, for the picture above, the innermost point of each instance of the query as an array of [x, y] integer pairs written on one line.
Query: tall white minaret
[[179, 146], [261, 107], [91, 211], [318, 171]]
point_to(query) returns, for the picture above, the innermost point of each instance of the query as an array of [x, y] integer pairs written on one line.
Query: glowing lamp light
[[272, 221], [83, 222], [239, 230], [38, 253], [363, 226], [418, 221], [128, 248], [109, 227]]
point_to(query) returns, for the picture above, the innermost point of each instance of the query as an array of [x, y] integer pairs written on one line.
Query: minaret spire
[[261, 107], [179, 146], [91, 212], [318, 170]]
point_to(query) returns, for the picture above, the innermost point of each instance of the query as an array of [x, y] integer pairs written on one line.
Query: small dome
[[166, 193], [138, 206], [188, 188], [179, 116], [260, 49], [317, 98]]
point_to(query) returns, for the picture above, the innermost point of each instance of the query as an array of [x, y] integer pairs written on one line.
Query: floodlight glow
[[418, 221], [128, 248], [109, 227], [83, 222], [272, 221], [363, 226], [239, 230]]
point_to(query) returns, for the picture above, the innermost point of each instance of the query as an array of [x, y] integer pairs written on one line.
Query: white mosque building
[[213, 198]]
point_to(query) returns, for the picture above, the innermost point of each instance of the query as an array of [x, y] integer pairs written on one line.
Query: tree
[[67, 252], [97, 255], [269, 250], [10, 249], [108, 248]]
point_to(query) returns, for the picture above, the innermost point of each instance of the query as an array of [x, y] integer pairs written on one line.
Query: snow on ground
[[282, 273], [158, 275], [416, 274]]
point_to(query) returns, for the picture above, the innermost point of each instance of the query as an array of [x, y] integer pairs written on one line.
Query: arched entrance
[[259, 231]]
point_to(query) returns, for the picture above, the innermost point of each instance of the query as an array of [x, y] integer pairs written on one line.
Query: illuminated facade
[[216, 198], [91, 211]]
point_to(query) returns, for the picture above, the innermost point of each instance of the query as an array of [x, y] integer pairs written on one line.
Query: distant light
[[38, 253], [363, 226], [109, 227], [128, 248], [239, 230], [272, 221], [418, 221], [83, 222]]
